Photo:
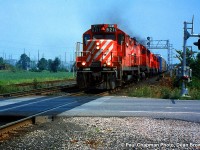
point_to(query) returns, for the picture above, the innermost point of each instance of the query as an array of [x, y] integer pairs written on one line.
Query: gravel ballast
[[86, 133]]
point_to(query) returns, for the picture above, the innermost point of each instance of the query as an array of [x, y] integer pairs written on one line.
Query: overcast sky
[[54, 26]]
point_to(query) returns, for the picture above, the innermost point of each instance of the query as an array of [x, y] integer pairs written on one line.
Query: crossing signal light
[[197, 44]]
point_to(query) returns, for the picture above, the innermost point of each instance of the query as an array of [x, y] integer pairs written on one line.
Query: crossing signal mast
[[185, 70]]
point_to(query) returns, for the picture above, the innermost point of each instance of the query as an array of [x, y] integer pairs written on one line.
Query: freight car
[[110, 57], [162, 64]]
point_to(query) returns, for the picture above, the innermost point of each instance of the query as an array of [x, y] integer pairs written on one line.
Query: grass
[[6, 89], [9, 77], [164, 91], [154, 92]]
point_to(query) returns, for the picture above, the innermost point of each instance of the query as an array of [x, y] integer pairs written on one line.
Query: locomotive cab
[[98, 62]]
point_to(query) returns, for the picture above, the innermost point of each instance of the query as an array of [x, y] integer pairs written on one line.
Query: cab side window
[[120, 39], [143, 51]]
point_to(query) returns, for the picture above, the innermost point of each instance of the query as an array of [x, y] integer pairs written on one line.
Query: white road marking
[[176, 107]]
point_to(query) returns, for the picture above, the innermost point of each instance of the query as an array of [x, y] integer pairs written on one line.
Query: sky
[[52, 27]]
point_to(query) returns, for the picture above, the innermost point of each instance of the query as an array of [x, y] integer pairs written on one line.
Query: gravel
[[87, 133]]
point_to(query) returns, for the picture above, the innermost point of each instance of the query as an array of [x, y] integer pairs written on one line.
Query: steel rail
[[39, 91], [41, 83], [5, 129], [12, 126]]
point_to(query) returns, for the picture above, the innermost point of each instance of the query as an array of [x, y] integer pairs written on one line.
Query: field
[[9, 77], [162, 90]]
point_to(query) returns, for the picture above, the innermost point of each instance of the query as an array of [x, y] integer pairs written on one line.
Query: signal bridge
[[161, 44]]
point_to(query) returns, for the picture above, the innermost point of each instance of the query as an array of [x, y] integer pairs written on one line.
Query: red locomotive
[[111, 57]]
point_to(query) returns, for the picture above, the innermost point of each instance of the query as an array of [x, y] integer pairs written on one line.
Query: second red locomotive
[[111, 57]]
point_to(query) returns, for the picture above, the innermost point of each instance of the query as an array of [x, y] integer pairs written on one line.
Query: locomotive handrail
[[80, 54]]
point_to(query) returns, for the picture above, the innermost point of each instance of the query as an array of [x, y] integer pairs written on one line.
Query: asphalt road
[[144, 107], [103, 106], [32, 105]]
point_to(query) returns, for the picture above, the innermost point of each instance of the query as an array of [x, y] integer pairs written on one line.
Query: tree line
[[43, 64], [54, 65]]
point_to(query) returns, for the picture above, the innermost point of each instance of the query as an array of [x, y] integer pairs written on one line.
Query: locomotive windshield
[[104, 36]]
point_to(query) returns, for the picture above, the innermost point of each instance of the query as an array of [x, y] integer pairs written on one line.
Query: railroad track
[[35, 83], [83, 93], [14, 127], [40, 91]]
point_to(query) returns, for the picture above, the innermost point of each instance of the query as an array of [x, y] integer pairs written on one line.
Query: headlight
[[97, 47], [109, 63], [97, 43], [83, 63]]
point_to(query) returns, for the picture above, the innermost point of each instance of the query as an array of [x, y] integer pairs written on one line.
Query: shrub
[[165, 93]]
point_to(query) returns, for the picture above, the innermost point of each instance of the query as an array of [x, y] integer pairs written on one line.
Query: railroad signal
[[148, 41], [197, 44]]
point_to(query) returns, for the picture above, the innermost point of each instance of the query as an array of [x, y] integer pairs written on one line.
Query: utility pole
[[65, 57], [185, 75], [38, 55]]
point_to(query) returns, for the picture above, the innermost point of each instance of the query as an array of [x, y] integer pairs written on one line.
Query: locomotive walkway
[[103, 106]]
